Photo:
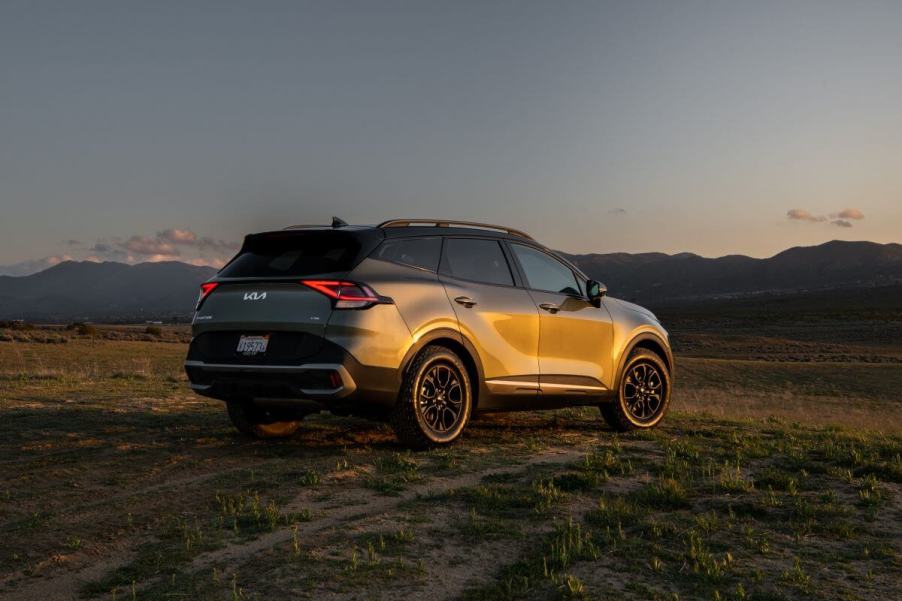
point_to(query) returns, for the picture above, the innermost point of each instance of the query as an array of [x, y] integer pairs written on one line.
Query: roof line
[[452, 223]]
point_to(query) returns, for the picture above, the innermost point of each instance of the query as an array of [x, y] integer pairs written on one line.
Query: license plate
[[252, 345]]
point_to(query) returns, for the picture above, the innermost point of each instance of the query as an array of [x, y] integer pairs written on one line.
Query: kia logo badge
[[254, 295]]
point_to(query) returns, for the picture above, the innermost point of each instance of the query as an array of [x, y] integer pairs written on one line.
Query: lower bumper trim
[[206, 377]]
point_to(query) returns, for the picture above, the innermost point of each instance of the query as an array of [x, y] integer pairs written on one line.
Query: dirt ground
[[118, 483]]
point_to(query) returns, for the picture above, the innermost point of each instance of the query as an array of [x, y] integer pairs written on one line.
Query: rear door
[[500, 319], [576, 337]]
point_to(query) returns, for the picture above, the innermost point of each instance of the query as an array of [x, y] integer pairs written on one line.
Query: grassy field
[[777, 476]]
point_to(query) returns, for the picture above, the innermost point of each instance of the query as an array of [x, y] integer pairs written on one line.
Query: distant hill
[[32, 266], [656, 277], [118, 292], [103, 292]]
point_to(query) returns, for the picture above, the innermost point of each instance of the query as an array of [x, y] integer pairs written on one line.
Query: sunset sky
[[155, 130]]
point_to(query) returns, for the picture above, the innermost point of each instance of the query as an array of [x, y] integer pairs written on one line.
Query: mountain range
[[113, 291], [109, 291], [659, 278]]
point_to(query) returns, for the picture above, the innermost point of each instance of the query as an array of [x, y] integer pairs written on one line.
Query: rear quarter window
[[415, 252]]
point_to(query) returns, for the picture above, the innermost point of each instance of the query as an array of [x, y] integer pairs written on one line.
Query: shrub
[[86, 329], [154, 330]]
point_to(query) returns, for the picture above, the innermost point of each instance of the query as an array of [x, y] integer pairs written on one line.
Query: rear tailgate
[[265, 304], [259, 311], [291, 315]]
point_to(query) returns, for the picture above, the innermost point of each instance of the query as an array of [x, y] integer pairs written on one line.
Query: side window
[[417, 252], [544, 272], [477, 260]]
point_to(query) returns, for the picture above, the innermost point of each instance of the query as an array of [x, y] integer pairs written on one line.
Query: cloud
[[617, 211], [177, 236], [109, 250], [190, 239], [839, 219], [220, 246], [803, 215], [158, 258], [172, 244], [144, 246], [202, 262], [848, 214]]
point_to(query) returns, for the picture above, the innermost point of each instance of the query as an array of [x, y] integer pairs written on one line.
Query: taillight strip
[[332, 289]]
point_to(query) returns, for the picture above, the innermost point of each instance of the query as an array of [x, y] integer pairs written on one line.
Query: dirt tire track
[[374, 507], [76, 571], [65, 586], [339, 510], [461, 566]]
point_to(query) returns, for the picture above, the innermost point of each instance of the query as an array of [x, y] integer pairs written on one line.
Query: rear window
[[293, 254], [417, 252]]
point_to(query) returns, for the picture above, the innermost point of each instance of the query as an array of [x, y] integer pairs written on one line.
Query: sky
[[157, 130]]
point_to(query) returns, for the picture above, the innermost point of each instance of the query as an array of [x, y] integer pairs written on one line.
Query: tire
[[639, 407], [246, 421], [435, 384]]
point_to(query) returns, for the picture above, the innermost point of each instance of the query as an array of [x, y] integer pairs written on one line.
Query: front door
[[575, 339], [499, 319]]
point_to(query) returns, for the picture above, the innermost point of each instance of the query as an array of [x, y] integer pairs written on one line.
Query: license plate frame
[[252, 345]]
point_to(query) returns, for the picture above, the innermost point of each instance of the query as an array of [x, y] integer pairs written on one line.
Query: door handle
[[466, 301], [550, 307]]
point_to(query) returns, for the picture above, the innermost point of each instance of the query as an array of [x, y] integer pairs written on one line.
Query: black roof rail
[[453, 223]]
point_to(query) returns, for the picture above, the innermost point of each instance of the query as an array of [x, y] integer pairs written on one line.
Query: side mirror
[[595, 291]]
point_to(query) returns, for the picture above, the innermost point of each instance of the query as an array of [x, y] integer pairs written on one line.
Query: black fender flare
[[447, 334], [636, 341]]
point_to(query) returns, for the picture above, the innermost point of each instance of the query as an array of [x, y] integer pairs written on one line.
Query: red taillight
[[205, 290], [347, 295]]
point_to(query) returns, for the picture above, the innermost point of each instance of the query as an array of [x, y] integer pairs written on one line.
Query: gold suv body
[[423, 323]]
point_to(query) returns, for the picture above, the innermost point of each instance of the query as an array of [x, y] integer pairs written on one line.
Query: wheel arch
[[462, 347], [649, 341]]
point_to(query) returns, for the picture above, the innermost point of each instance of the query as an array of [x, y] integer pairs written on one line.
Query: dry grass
[[847, 412], [118, 482]]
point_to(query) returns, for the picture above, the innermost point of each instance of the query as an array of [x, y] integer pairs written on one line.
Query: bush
[[86, 329], [16, 325], [154, 330]]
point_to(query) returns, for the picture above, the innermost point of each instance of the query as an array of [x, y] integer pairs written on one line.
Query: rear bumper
[[331, 378], [309, 380]]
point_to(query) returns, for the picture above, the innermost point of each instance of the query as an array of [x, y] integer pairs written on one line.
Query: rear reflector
[[347, 295]]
